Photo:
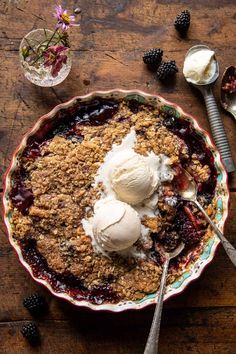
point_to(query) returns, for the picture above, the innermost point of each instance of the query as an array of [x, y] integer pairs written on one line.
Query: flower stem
[[30, 46], [50, 39]]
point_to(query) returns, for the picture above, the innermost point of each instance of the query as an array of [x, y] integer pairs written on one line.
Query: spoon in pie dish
[[188, 191], [153, 338]]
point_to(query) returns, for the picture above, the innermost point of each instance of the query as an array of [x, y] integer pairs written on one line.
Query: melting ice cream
[[131, 185]]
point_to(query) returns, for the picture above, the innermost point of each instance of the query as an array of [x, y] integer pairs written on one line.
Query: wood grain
[[190, 331], [107, 51]]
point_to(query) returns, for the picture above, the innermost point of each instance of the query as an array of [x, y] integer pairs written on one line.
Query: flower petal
[[56, 68]]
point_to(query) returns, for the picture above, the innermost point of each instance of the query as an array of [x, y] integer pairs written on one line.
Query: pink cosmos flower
[[55, 56], [64, 20]]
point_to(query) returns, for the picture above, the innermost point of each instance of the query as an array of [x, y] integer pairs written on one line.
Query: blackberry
[[186, 229], [166, 70], [182, 21], [153, 57], [31, 333], [170, 240], [35, 304]]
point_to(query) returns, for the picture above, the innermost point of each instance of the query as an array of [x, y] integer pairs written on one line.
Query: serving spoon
[[153, 337], [217, 127], [188, 191], [228, 99]]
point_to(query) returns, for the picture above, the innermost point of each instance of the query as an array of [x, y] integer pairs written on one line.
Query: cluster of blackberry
[[165, 70], [36, 305], [153, 57]]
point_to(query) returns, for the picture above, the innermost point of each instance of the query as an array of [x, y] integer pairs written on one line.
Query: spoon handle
[[218, 130], [153, 338], [229, 249]]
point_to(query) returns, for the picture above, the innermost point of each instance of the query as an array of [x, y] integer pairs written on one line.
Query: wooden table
[[108, 50]]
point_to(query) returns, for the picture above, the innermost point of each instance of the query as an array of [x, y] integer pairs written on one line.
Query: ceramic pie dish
[[194, 262]]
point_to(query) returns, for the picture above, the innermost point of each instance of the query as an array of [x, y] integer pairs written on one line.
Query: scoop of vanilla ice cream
[[116, 225], [132, 176], [199, 66]]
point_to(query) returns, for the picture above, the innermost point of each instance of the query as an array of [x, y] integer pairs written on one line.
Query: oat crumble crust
[[61, 183]]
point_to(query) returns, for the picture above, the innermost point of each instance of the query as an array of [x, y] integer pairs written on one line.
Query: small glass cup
[[35, 71]]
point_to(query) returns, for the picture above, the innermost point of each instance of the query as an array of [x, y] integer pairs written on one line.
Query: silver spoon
[[217, 127], [153, 337], [189, 192], [228, 99]]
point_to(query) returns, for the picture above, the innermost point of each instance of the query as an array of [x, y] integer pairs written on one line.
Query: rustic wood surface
[[108, 51]]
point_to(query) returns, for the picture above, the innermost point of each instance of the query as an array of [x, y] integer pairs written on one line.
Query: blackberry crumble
[[53, 191]]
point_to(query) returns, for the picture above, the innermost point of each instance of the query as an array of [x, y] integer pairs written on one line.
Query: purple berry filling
[[21, 197], [196, 145], [65, 282]]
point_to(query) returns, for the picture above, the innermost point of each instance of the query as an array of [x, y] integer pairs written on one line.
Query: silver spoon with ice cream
[[201, 70]]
